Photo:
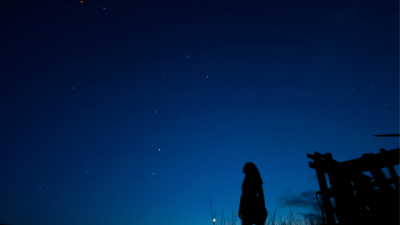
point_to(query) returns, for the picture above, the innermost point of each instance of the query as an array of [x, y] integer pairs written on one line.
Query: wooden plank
[[387, 135], [367, 162]]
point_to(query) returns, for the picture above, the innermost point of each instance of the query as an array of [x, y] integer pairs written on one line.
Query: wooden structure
[[354, 197]]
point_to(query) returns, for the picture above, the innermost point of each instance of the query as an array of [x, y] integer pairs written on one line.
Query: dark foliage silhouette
[[252, 205]]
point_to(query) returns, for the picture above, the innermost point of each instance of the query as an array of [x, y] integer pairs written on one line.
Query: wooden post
[[326, 200]]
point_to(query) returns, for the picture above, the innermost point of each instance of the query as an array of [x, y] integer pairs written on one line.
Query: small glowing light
[[207, 76], [159, 149], [87, 171], [153, 173], [214, 220], [81, 1]]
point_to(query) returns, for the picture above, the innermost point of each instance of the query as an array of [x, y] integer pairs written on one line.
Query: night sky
[[136, 112]]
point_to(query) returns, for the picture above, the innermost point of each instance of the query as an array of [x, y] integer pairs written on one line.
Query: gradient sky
[[135, 112]]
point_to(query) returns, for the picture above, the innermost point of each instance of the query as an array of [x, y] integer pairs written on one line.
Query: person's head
[[251, 171]]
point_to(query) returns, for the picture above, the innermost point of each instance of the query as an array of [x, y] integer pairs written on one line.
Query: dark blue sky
[[135, 112]]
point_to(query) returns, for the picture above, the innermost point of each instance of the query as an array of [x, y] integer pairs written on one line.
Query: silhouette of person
[[252, 204]]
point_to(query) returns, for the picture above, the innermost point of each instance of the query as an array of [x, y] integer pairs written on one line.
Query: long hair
[[252, 174]]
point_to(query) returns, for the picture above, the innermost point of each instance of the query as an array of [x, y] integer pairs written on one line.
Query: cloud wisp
[[304, 200]]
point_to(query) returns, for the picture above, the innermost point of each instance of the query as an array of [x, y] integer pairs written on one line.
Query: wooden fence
[[354, 197]]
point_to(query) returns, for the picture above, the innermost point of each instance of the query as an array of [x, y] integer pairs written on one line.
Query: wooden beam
[[379, 160], [387, 135]]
